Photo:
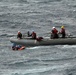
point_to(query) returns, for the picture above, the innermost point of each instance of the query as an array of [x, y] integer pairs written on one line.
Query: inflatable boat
[[44, 42]]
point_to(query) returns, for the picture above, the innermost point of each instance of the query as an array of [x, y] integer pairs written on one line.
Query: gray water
[[40, 16]]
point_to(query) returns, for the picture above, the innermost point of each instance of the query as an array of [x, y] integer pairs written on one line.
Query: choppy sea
[[40, 16]]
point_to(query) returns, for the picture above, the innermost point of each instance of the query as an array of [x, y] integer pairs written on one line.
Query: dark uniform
[[19, 35]]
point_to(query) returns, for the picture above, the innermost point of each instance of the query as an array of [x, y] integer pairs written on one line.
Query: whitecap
[[33, 47]]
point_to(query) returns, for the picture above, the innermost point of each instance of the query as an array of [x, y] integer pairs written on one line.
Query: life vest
[[23, 47], [54, 31], [34, 35], [17, 47], [62, 31]]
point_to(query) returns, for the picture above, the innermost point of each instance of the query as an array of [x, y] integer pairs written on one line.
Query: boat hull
[[45, 41]]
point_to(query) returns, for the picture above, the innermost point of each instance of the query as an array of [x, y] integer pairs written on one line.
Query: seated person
[[62, 31], [54, 33], [33, 35], [19, 35]]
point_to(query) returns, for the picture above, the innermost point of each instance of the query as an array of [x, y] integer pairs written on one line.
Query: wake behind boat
[[27, 41]]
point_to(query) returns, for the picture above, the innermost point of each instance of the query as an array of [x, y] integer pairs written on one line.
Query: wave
[[71, 70], [29, 1], [68, 46], [63, 59], [43, 1], [35, 62], [14, 1], [10, 63], [33, 47], [5, 35], [49, 70]]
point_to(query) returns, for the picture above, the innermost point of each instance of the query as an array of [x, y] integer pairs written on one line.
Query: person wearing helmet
[[19, 35], [54, 33], [63, 31]]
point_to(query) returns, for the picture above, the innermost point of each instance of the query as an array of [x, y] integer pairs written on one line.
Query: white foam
[[33, 47], [69, 46]]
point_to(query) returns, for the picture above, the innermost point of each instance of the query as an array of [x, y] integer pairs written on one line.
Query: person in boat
[[54, 33], [62, 31], [33, 35], [19, 35]]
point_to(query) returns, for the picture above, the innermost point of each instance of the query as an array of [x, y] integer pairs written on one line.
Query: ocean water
[[40, 16]]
